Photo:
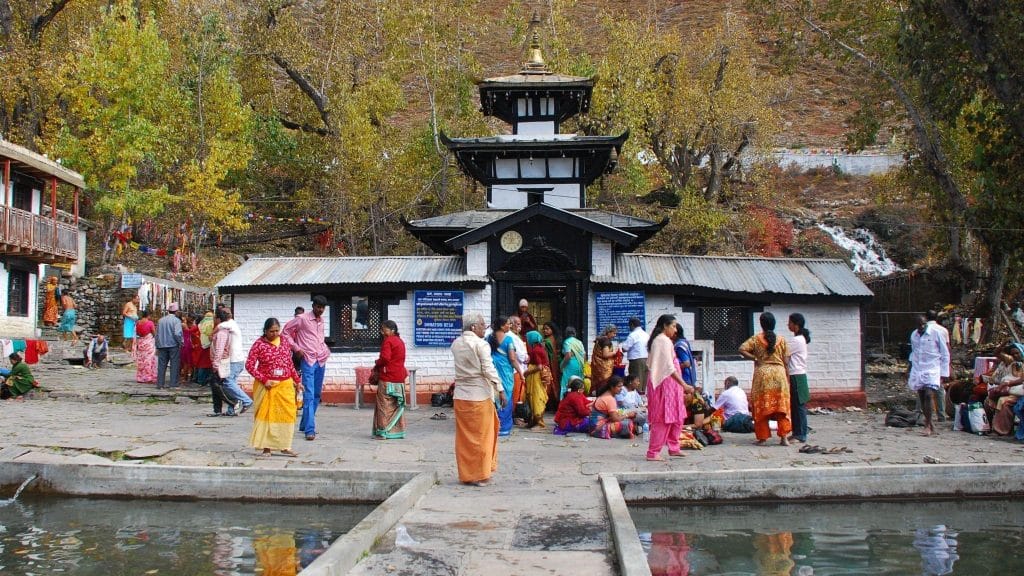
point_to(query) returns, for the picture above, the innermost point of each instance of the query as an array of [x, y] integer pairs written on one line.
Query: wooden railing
[[33, 236]]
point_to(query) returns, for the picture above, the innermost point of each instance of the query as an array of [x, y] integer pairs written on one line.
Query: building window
[[355, 321], [17, 292], [728, 326]]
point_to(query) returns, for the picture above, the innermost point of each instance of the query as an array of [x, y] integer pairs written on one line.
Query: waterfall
[[866, 255], [17, 492]]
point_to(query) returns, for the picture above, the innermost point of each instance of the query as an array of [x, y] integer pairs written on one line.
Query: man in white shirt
[[736, 408], [635, 349], [929, 356], [940, 394]]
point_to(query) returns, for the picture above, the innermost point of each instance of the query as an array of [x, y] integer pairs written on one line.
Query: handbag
[[224, 367], [374, 378], [522, 411]]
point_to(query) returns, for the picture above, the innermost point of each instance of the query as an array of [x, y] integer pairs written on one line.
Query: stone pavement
[[543, 514]]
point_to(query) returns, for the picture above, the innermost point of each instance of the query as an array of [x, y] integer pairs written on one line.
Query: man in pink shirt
[[306, 332]]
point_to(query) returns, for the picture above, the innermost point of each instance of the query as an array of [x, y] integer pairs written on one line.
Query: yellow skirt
[[273, 415]]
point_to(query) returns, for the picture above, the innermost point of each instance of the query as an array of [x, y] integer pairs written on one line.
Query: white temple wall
[[432, 364]]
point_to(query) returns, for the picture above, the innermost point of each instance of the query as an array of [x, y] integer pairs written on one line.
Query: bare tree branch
[[318, 99], [303, 127], [39, 23]]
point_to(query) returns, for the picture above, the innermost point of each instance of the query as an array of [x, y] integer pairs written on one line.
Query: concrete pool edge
[[349, 549], [294, 485], [396, 493], [862, 482]]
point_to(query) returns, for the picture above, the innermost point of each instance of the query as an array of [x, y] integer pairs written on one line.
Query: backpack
[[903, 418]]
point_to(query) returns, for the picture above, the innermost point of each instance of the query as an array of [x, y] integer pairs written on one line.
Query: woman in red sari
[[273, 388], [389, 409], [769, 390], [573, 413], [666, 411]]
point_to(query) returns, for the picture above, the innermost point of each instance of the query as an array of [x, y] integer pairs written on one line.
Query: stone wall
[[98, 300]]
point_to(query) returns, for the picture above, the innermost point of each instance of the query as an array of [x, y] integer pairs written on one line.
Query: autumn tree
[[118, 108]]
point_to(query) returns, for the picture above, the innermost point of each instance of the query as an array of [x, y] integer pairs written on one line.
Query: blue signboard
[[617, 308], [437, 316]]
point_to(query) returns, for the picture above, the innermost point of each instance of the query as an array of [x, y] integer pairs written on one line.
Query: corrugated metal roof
[[472, 219], [739, 275], [349, 270]]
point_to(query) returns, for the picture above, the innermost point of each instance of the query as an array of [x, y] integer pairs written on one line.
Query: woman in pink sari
[[145, 349], [666, 409]]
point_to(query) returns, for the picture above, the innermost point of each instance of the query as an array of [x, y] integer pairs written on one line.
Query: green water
[[968, 537], [144, 537]]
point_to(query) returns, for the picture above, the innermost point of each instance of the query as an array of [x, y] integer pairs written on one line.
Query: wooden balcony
[[36, 237]]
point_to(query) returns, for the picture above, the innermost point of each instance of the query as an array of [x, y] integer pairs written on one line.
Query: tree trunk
[[999, 264], [714, 183]]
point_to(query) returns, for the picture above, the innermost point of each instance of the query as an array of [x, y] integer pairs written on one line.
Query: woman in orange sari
[[270, 363], [50, 314], [602, 360], [769, 392]]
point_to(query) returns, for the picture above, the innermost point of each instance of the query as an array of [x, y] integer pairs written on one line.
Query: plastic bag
[[978, 419]]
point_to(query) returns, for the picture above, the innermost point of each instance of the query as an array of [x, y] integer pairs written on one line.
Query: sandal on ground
[[289, 453], [264, 454], [311, 437], [655, 459], [809, 449], [761, 443], [213, 414], [784, 442], [677, 454]]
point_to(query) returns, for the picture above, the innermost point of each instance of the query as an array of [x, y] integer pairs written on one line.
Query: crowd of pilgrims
[[648, 382]]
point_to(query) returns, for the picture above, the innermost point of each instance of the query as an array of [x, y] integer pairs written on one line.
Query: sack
[[903, 418], [977, 418], [440, 399], [224, 367]]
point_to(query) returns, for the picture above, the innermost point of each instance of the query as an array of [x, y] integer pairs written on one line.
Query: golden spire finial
[[535, 59]]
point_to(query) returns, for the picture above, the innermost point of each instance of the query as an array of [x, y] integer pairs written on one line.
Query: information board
[[437, 316], [131, 280], [617, 308]]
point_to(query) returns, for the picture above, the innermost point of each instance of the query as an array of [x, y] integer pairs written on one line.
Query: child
[[631, 399]]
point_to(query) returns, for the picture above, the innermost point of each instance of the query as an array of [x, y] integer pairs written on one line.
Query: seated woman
[[19, 379], [607, 419], [698, 409], [573, 413], [1004, 388]]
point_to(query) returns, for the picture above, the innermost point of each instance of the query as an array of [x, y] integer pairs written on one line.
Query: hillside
[[814, 108]]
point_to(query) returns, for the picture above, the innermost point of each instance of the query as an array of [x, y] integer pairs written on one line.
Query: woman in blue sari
[[573, 357], [503, 354]]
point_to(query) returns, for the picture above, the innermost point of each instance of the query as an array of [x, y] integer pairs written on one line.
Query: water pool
[[967, 537], [104, 537]]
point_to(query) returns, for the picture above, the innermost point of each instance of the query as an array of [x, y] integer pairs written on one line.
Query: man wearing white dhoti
[[929, 359]]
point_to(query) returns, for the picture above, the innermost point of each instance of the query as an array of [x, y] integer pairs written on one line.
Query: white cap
[[523, 302]]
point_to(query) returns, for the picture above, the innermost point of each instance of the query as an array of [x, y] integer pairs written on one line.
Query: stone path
[[544, 514]]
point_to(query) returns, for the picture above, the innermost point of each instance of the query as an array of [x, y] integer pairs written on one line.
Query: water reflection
[[929, 538], [104, 537]]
